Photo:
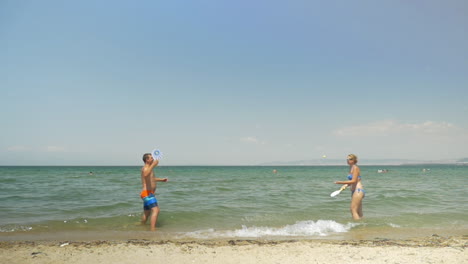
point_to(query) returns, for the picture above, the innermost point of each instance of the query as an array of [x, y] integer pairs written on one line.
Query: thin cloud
[[18, 148], [414, 140], [55, 149], [249, 139], [252, 140], [392, 127]]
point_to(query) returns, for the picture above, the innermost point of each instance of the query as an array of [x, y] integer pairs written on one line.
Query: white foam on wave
[[299, 229], [14, 228]]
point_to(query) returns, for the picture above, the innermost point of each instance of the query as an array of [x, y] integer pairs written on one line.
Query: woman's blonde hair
[[353, 157]]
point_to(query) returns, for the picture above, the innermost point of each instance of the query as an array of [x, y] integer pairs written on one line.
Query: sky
[[214, 82]]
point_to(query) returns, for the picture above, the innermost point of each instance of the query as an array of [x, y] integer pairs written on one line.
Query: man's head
[[147, 158]]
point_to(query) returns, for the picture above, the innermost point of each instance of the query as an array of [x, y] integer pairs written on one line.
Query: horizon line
[[249, 165]]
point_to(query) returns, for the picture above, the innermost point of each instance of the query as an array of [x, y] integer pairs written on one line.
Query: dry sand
[[428, 250]]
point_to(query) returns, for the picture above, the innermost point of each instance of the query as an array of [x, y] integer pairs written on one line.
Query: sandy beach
[[427, 250]]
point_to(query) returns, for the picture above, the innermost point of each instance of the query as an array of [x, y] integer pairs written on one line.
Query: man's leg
[[154, 217], [144, 217]]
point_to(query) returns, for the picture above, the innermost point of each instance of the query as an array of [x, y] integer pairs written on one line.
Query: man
[[149, 183]]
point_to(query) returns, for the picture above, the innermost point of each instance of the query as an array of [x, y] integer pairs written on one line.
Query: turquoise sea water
[[240, 202]]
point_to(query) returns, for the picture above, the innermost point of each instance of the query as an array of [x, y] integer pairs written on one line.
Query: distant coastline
[[312, 162], [364, 162]]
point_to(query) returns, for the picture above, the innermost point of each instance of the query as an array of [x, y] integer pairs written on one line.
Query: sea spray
[[299, 229]]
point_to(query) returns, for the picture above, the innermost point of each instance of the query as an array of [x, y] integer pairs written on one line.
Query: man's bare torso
[[148, 182]]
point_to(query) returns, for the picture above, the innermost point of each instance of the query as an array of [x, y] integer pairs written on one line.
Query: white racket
[[335, 193]]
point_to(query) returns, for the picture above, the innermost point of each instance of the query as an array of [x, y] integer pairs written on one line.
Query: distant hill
[[334, 162], [465, 160]]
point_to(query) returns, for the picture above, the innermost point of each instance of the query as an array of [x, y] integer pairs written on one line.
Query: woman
[[357, 190]]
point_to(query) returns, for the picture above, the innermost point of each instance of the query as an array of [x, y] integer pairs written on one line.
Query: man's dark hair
[[146, 156]]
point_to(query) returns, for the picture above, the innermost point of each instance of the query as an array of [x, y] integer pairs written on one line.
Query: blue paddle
[[157, 154]]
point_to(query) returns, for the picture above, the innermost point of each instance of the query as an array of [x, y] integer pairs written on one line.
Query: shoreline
[[434, 249], [431, 241], [358, 234]]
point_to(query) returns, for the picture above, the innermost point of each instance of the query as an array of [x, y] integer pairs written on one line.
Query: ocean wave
[[299, 229], [14, 228]]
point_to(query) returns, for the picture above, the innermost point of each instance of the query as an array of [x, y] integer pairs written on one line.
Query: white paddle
[[157, 154], [335, 193]]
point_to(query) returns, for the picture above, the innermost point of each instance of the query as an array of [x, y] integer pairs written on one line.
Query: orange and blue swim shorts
[[149, 201]]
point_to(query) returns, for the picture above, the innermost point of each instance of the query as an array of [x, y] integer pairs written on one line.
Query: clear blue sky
[[232, 82]]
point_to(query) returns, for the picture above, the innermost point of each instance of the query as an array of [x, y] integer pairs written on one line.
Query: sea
[[232, 202]]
